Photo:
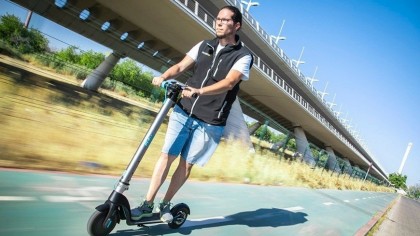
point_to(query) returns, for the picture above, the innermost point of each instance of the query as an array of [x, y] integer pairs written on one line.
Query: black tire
[[180, 213], [95, 226]]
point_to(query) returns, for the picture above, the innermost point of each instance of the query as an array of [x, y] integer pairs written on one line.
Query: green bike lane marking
[[63, 203]]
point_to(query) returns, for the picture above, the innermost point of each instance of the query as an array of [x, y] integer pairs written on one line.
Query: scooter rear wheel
[[180, 214], [95, 225]]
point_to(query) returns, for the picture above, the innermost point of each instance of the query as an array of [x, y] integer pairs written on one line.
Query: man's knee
[[167, 158], [185, 165]]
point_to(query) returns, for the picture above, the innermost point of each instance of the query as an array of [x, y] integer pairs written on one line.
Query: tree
[[263, 133], [91, 59], [127, 72], [292, 144], [414, 191], [13, 32], [398, 180], [131, 74], [10, 26], [38, 43], [69, 55]]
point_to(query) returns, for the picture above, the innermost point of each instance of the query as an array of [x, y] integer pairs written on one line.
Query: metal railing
[[195, 9]]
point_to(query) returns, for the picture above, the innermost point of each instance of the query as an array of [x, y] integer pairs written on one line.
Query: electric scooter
[[117, 207]]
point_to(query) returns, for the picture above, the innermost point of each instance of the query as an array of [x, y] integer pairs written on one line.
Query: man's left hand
[[190, 92]]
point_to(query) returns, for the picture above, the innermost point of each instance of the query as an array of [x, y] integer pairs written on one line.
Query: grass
[[53, 124]]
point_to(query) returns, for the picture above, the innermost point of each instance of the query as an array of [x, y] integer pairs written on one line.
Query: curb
[[364, 230]]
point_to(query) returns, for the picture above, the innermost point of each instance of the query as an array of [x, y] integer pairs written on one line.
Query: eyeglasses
[[223, 20]]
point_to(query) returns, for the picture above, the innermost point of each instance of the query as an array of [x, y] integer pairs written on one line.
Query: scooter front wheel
[[96, 225]]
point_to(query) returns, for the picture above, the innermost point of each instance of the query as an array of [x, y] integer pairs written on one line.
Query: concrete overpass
[[157, 33]]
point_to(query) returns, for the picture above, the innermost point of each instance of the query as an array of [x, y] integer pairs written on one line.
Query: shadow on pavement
[[263, 217]]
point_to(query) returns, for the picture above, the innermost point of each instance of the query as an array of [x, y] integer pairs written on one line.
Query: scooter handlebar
[[166, 83]]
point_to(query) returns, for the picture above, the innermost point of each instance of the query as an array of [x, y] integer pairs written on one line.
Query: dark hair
[[237, 15]]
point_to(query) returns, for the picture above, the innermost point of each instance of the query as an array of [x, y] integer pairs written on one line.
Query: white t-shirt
[[242, 65]]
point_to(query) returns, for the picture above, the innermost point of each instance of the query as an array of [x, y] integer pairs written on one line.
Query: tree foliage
[[131, 74], [13, 32], [414, 191], [69, 54], [15, 35], [398, 180], [91, 59], [266, 134]]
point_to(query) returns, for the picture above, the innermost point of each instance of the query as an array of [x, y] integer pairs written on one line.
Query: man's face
[[224, 24]]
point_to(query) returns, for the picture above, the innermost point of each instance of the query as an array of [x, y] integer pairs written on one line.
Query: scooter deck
[[155, 218]]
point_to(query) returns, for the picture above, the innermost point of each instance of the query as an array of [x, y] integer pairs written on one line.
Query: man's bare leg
[[178, 179], [160, 173]]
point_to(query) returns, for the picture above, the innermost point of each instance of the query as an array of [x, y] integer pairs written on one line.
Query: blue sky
[[367, 51]]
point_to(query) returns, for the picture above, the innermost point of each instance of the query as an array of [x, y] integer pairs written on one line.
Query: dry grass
[[45, 128], [48, 125]]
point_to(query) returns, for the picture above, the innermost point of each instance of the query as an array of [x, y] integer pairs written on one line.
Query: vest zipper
[[217, 68]]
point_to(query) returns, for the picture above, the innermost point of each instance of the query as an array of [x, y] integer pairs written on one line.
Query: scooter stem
[[172, 96]]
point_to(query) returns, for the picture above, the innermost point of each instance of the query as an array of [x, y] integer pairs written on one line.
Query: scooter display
[[117, 207]]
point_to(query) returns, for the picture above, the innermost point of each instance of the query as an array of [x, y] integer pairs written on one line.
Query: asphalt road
[[51, 203]]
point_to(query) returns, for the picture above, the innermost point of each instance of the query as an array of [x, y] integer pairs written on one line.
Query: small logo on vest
[[207, 54]]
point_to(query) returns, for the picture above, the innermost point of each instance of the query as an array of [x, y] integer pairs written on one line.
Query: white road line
[[70, 198], [17, 198], [328, 203], [356, 199], [296, 208], [83, 191], [346, 201], [206, 221]]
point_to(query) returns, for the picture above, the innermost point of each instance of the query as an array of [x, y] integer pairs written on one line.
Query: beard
[[220, 35]]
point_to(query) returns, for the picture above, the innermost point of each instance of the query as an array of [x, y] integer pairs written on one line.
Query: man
[[198, 119]]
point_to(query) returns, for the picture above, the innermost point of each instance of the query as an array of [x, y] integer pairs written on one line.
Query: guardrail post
[[196, 8]]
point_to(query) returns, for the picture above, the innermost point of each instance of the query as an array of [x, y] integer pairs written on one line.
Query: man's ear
[[237, 26]]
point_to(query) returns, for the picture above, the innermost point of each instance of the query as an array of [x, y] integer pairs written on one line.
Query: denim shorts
[[194, 139]]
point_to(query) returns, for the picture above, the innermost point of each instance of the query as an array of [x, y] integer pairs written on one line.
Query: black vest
[[209, 69]]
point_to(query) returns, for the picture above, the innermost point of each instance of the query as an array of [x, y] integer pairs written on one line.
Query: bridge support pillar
[[280, 144], [254, 128], [348, 169], [236, 127], [332, 160], [97, 77], [302, 145]]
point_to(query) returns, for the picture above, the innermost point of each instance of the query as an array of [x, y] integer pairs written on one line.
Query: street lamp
[[332, 104], [312, 79], [298, 61], [322, 94], [250, 4], [278, 37]]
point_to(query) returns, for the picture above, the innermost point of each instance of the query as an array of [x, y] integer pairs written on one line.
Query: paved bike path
[[49, 203]]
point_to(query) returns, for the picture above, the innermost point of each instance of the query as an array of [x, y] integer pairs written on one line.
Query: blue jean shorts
[[191, 138]]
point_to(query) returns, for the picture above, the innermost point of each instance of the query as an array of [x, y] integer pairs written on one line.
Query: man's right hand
[[157, 81]]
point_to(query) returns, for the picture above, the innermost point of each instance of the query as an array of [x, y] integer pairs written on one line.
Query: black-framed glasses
[[222, 20]]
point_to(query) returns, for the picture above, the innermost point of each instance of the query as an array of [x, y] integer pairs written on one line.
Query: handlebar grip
[[165, 83]]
